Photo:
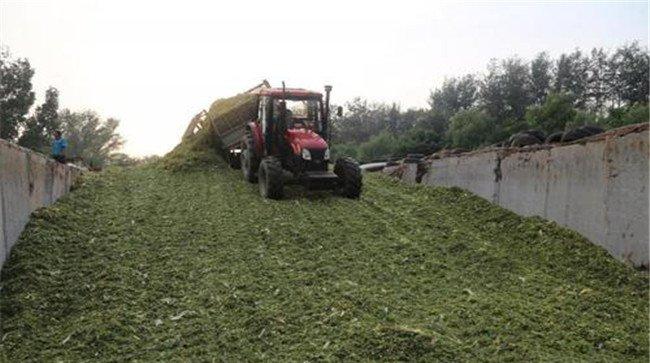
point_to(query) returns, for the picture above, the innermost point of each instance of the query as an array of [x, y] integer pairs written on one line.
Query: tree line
[[603, 88], [91, 139]]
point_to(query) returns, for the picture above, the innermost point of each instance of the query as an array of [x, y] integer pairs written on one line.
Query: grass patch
[[147, 265]]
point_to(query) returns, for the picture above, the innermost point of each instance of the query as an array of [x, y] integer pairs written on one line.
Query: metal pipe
[[326, 119]]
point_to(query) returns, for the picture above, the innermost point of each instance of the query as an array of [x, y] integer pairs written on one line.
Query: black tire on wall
[[350, 177], [581, 132], [539, 134], [575, 134], [554, 137], [523, 139], [593, 129], [270, 178]]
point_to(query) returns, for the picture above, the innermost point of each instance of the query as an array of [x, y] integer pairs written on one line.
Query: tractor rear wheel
[[249, 162], [350, 178], [270, 178]]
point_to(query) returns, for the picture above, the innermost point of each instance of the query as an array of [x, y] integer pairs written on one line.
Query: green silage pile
[[202, 148], [148, 265]]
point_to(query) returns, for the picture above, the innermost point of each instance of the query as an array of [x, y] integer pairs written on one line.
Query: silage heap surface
[[148, 265]]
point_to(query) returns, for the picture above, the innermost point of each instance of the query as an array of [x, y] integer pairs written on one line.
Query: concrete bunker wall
[[28, 181], [598, 188]]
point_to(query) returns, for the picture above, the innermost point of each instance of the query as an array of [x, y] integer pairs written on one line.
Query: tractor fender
[[256, 133]]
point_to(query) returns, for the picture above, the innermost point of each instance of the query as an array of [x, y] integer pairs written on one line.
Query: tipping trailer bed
[[227, 117], [231, 137]]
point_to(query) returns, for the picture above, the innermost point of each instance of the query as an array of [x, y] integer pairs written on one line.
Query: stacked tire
[[526, 138], [581, 132]]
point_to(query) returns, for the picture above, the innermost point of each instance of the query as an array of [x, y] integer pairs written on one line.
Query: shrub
[[341, 150], [628, 115], [379, 147], [472, 128], [553, 115]]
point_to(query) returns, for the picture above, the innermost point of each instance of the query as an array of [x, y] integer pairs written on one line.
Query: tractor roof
[[290, 93]]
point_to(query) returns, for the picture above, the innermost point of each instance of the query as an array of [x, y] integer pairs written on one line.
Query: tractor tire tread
[[351, 179], [271, 178], [249, 167]]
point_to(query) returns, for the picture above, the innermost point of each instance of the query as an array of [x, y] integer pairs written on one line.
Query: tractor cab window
[[300, 113]]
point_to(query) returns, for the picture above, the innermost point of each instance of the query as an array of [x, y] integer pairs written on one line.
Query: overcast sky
[[155, 65]]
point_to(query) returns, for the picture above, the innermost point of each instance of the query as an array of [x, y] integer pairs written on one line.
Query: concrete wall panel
[[473, 172], [28, 181], [410, 173], [15, 190], [626, 197], [598, 188], [522, 186]]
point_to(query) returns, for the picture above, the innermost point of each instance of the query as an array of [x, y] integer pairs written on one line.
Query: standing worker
[[58, 147]]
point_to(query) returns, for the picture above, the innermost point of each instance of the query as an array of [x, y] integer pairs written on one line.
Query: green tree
[[358, 123], [393, 118], [89, 137], [630, 67], [433, 120], [541, 69], [16, 96], [39, 128], [492, 91], [517, 94], [472, 128], [599, 80], [572, 77], [554, 114], [455, 94], [505, 95]]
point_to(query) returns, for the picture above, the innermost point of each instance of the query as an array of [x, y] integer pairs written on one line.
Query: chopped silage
[[204, 147], [148, 265]]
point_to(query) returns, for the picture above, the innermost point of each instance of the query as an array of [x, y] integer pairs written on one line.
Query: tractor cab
[[299, 114], [294, 126]]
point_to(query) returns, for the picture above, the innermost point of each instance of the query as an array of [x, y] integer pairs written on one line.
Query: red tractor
[[287, 143]]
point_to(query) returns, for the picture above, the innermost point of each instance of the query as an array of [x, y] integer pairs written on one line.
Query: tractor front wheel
[[350, 178], [270, 178]]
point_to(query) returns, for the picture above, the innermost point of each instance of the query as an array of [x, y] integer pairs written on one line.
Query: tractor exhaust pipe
[[326, 125], [328, 89]]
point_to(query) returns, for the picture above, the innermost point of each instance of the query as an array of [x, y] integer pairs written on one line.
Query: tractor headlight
[[326, 156], [306, 154]]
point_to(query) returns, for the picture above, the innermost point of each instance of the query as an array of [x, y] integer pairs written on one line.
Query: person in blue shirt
[[58, 147]]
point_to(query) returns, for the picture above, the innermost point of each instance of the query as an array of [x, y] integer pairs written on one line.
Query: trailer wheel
[[270, 178], [234, 160], [248, 161], [350, 178]]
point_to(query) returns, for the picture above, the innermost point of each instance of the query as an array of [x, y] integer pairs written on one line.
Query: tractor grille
[[317, 163], [317, 154]]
